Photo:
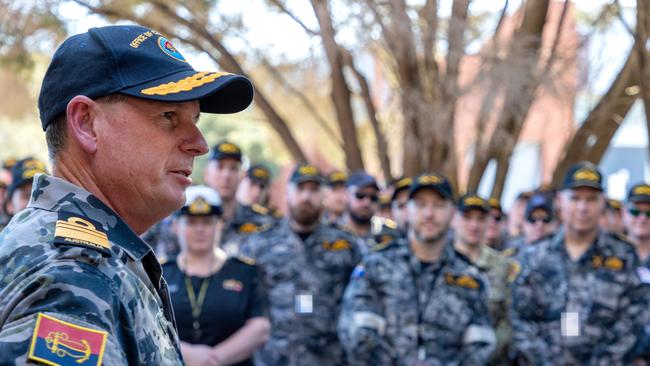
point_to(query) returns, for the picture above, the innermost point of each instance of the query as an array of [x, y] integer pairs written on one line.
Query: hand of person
[[200, 355]]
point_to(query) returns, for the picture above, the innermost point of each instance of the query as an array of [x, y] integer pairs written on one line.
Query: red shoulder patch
[[57, 342]]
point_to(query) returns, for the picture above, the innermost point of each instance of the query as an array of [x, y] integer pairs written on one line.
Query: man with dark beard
[[305, 267], [417, 301]]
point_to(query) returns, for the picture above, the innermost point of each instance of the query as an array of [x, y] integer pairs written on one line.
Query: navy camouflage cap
[[225, 149], [259, 174], [472, 201], [433, 181], [135, 61], [306, 173], [23, 172], [639, 193], [201, 201], [583, 174]]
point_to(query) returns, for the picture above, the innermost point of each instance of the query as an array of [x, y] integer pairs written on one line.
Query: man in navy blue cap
[[363, 203], [578, 299], [119, 106]]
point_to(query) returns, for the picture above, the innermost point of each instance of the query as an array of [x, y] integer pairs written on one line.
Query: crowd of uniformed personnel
[[93, 270], [435, 280]]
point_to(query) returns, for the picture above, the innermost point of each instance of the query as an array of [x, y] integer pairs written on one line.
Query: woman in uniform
[[218, 306]]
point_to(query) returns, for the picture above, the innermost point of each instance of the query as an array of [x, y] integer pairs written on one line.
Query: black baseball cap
[[583, 174], [613, 204], [23, 172], [433, 181], [135, 61], [337, 178], [259, 174], [306, 173], [225, 149], [362, 179], [539, 201], [639, 193], [399, 185], [495, 204], [472, 201]]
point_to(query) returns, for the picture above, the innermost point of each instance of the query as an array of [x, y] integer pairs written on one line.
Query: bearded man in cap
[[119, 106], [305, 266]]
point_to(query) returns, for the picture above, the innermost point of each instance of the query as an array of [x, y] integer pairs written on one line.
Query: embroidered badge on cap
[[57, 342], [168, 48], [82, 232], [199, 207], [586, 174]]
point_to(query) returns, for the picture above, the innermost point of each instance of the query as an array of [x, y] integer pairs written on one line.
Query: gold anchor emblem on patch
[[61, 344]]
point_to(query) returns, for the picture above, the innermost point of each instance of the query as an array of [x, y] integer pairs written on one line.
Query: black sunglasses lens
[[634, 212], [360, 196]]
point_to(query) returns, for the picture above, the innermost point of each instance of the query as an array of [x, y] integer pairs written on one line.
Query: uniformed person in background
[[223, 174], [399, 201], [470, 227], [516, 215], [636, 216], [496, 233], [612, 218], [305, 267], [254, 188], [540, 221], [363, 203], [418, 302], [335, 197], [384, 210], [78, 285], [218, 302], [578, 299], [20, 189]]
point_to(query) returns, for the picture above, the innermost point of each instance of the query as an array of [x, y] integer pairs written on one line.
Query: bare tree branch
[[295, 18]]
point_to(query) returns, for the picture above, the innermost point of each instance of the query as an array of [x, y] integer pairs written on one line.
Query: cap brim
[[216, 92], [639, 199], [438, 189], [595, 186], [474, 207], [308, 179]]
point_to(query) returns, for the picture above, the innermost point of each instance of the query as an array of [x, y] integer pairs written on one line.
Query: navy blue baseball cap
[[135, 61], [472, 201], [306, 173], [583, 174], [433, 181], [362, 179]]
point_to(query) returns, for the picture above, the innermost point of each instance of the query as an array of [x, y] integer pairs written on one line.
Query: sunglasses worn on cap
[[545, 219], [372, 197], [636, 212]]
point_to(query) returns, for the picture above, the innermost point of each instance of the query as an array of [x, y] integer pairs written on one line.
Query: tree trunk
[[592, 138], [341, 96]]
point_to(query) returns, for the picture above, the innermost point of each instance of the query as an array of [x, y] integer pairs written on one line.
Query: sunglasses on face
[[373, 197], [636, 212], [545, 219]]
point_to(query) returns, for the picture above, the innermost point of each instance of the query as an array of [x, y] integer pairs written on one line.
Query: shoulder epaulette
[[620, 237], [246, 260], [383, 246], [75, 230], [260, 209]]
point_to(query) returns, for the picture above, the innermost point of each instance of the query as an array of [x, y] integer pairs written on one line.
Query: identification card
[[570, 324], [304, 303]]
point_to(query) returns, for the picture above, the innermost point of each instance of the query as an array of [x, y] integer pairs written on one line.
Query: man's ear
[[81, 115]]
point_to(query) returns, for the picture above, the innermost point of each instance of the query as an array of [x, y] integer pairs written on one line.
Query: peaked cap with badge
[[73, 273]]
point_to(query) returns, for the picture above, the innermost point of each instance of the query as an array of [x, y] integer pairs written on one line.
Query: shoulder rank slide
[[80, 231], [57, 342]]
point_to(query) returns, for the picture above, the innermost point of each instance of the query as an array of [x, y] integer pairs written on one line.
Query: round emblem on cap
[[167, 47]]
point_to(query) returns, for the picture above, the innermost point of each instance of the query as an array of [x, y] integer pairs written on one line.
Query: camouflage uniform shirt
[[583, 312], [400, 311], [304, 282], [499, 272], [246, 220], [77, 285]]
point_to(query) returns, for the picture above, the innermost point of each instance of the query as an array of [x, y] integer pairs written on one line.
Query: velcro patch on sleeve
[[58, 342]]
